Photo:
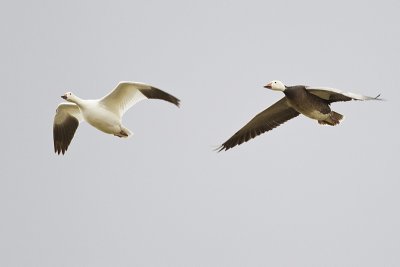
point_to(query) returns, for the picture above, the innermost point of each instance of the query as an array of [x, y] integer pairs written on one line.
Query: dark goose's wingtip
[[219, 149], [223, 147], [379, 98]]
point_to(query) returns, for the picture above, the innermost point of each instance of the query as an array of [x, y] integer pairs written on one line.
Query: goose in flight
[[312, 102], [104, 114]]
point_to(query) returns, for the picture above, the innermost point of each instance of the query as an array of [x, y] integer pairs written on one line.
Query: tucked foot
[[121, 134], [324, 123], [333, 119]]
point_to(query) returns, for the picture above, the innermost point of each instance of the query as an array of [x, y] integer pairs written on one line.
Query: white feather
[[325, 92], [124, 96], [65, 109]]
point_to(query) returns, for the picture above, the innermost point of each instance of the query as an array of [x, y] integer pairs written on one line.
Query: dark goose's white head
[[276, 86]]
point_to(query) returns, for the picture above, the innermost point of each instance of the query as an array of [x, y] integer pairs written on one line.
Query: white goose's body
[[104, 114], [100, 117]]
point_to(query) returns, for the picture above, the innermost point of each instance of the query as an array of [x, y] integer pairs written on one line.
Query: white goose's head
[[69, 97], [276, 86]]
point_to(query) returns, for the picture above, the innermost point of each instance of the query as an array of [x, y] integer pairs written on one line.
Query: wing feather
[[266, 120], [66, 121], [127, 94], [335, 95]]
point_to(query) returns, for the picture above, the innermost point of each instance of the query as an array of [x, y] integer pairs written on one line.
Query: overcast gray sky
[[300, 195]]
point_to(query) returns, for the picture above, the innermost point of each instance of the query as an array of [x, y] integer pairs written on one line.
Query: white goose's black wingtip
[[156, 93], [63, 134], [178, 103]]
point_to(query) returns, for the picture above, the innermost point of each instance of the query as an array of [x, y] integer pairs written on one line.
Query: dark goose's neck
[[294, 92]]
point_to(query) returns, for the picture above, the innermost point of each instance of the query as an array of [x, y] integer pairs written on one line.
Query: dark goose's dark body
[[306, 103]]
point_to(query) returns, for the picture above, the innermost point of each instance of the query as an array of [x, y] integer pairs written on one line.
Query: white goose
[[104, 114]]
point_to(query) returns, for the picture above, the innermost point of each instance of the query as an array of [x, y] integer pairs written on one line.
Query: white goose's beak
[[64, 97]]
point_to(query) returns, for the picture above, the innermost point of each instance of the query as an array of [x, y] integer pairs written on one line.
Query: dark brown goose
[[105, 114], [313, 102]]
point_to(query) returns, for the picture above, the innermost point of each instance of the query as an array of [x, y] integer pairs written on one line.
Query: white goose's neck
[[79, 101]]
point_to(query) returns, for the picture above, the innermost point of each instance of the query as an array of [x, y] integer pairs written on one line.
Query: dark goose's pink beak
[[269, 86]]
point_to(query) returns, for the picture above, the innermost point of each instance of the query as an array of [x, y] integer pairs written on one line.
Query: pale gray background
[[301, 195]]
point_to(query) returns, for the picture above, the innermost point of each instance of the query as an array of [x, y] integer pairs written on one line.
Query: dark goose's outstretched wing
[[267, 120], [334, 95]]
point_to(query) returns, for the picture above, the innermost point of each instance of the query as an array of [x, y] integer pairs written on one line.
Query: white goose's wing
[[334, 95], [127, 94], [266, 120], [66, 121]]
